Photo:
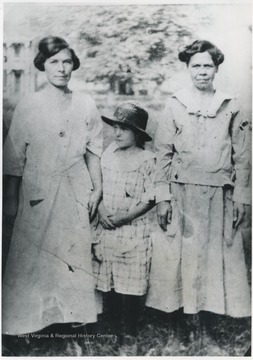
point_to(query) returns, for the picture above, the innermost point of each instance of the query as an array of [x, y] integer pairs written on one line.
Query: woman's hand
[[10, 208], [238, 214], [164, 214], [239, 211], [11, 198], [94, 200], [104, 217]]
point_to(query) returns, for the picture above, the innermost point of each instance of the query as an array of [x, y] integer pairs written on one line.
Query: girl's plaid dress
[[125, 252]]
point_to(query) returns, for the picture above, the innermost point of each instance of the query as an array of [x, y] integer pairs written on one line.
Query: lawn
[[233, 336]]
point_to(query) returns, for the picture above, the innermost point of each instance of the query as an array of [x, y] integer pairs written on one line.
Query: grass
[[232, 335]]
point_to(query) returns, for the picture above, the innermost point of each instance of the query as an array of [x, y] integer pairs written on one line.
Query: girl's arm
[[140, 209], [93, 165]]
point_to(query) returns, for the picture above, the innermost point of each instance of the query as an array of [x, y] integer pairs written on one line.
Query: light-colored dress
[[125, 251], [48, 276], [203, 166]]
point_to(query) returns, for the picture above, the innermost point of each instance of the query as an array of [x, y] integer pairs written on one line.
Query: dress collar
[[109, 159], [186, 97]]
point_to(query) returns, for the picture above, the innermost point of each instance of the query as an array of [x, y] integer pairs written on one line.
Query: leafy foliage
[[134, 42]]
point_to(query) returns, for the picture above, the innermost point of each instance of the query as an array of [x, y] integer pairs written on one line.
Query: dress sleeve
[[149, 172], [241, 155], [164, 141], [14, 152], [95, 131]]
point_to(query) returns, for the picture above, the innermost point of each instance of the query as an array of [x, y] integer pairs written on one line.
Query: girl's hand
[[164, 214], [238, 214], [94, 200], [104, 217], [118, 220]]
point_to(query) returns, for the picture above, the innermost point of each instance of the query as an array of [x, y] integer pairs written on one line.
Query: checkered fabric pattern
[[125, 251]]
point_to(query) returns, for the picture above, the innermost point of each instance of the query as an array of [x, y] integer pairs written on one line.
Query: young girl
[[123, 242]]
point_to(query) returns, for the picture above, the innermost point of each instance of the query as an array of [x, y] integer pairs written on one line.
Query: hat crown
[[132, 115]]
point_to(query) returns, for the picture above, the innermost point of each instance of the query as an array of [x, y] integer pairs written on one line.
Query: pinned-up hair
[[49, 46], [200, 46]]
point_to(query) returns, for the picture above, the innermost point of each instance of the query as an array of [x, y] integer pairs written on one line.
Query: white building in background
[[19, 74]]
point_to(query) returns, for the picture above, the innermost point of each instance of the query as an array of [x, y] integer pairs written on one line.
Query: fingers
[[106, 223], [162, 221], [93, 203], [235, 210], [92, 212], [169, 216], [239, 220], [103, 223], [10, 210], [92, 208], [238, 215], [113, 220], [164, 213], [229, 241], [110, 226]]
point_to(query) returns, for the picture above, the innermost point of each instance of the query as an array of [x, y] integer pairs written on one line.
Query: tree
[[123, 44]]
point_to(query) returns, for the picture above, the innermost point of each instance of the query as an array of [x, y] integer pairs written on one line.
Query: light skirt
[[193, 264], [48, 276]]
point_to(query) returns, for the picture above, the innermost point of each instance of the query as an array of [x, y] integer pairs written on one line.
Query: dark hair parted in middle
[[200, 46], [49, 46]]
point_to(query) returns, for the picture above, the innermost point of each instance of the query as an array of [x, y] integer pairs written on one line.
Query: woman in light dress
[[52, 162], [203, 194]]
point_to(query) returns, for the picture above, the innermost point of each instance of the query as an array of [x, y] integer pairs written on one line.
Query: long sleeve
[[16, 142], [241, 154], [95, 128], [164, 148]]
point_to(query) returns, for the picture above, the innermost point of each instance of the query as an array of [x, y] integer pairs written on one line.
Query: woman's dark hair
[[200, 46], [49, 46]]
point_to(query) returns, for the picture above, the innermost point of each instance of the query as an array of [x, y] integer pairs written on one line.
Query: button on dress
[[204, 163], [48, 276]]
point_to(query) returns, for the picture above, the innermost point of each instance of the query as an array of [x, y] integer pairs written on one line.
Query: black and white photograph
[[126, 179]]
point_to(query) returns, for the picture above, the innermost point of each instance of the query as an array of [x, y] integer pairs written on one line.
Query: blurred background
[[126, 51]]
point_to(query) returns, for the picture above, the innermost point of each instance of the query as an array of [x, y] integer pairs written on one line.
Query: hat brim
[[111, 122]]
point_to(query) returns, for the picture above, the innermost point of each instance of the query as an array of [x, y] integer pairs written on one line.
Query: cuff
[[163, 193], [148, 196], [95, 149], [13, 170], [242, 195]]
